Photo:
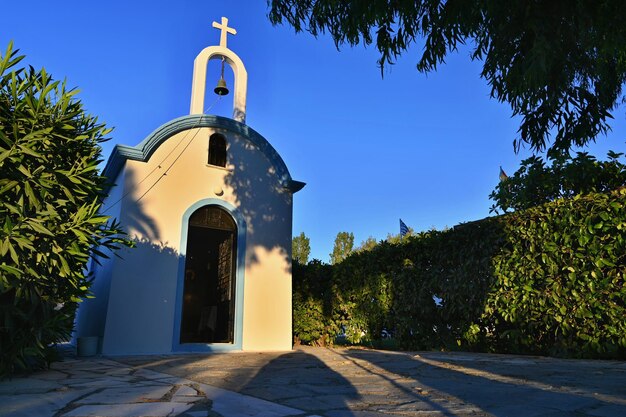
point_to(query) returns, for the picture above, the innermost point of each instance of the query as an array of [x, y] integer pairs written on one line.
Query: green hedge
[[313, 321], [548, 280], [560, 279]]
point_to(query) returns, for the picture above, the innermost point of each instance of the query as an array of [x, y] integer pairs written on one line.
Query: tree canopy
[[301, 249], [561, 65], [344, 244], [537, 182], [368, 244]]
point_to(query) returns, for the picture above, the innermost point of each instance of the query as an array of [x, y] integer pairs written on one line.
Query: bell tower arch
[[220, 52]]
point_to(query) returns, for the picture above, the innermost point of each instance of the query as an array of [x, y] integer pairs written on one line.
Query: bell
[[221, 89]]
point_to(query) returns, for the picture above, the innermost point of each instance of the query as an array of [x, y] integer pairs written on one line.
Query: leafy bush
[[536, 183], [313, 319], [548, 280], [50, 194], [561, 278]]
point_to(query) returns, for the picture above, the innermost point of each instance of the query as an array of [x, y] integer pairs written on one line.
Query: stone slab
[[186, 390], [232, 404], [23, 385], [36, 405], [161, 409], [127, 394]]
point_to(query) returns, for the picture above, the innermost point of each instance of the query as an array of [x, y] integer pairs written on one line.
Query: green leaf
[[37, 227], [11, 269], [13, 253]]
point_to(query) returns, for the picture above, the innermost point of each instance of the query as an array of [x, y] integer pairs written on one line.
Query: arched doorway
[[208, 308]]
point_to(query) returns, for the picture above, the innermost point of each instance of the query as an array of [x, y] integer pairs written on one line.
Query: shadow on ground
[[361, 382], [500, 385]]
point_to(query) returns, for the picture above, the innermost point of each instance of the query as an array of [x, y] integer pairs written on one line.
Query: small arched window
[[217, 150]]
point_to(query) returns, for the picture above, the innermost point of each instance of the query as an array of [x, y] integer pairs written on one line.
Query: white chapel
[[209, 202]]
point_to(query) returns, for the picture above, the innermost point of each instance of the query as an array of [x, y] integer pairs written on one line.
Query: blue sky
[[424, 148]]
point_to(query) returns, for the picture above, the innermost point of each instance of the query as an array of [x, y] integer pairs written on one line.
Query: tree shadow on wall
[[134, 293], [258, 187], [134, 215]]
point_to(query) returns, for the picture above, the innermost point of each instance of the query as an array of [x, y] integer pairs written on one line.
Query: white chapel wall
[[143, 287]]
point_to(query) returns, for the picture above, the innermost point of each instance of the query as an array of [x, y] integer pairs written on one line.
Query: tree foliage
[[561, 65], [50, 192], [344, 243], [536, 182], [397, 237], [301, 249], [368, 244]]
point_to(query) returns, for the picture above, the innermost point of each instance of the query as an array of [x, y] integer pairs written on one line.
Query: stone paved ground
[[322, 382], [101, 387], [370, 383]]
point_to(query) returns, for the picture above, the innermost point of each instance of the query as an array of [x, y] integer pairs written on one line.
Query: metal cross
[[225, 30]]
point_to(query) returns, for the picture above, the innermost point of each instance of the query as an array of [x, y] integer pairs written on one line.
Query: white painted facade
[[158, 185]]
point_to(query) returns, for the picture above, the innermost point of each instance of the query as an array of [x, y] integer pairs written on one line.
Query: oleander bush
[[50, 192]]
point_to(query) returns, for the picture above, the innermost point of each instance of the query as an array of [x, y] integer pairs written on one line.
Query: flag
[[404, 229], [503, 175]]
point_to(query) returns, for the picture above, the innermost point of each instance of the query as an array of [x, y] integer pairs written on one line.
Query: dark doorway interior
[[209, 291]]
